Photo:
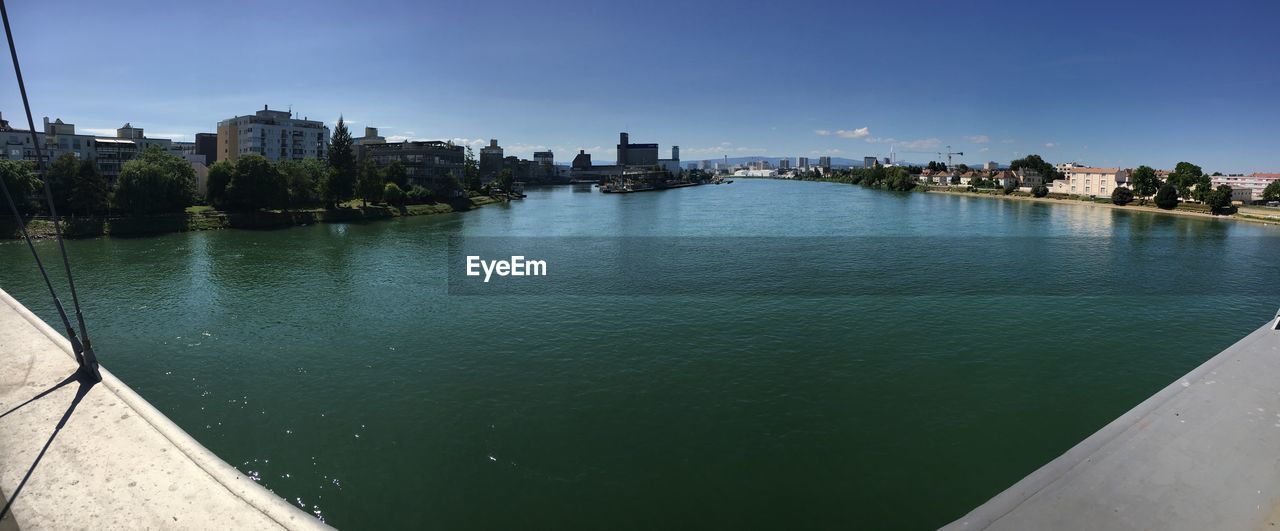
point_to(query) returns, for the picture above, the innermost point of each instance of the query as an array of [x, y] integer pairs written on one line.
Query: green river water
[[869, 360]]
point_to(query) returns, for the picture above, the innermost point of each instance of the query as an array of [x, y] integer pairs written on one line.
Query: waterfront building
[[59, 138], [1254, 182], [784, 164], [427, 163], [1080, 180], [869, 162], [802, 163], [491, 161], [276, 135], [633, 159], [824, 163], [1028, 178]]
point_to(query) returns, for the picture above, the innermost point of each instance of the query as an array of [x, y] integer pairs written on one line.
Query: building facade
[[491, 161], [1254, 182], [427, 163], [276, 135], [1080, 180]]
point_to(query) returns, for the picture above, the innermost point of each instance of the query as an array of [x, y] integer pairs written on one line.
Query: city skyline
[[1104, 84]]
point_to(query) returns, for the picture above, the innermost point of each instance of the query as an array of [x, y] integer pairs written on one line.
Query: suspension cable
[[83, 351]]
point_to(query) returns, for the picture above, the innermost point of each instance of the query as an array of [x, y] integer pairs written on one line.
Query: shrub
[[393, 195], [1040, 190], [418, 195], [1122, 196], [1167, 197]]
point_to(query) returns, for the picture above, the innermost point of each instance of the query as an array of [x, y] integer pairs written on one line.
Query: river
[[949, 346]]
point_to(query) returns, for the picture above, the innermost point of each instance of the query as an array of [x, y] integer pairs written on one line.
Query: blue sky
[[1105, 83]]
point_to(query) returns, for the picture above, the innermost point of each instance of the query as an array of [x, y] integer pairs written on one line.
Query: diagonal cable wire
[[83, 351]]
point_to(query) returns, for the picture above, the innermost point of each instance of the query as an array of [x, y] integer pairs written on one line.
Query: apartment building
[[1254, 182], [1081, 180], [276, 135]]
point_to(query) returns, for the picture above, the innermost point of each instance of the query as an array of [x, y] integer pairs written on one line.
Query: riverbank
[[206, 218], [1248, 214]]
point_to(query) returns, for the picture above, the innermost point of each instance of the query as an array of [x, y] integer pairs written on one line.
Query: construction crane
[[949, 153]]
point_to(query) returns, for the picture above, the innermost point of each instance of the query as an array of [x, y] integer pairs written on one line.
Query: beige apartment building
[[1099, 182]]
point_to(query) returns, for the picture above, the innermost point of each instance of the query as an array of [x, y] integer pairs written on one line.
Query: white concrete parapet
[[1203, 453], [98, 456]]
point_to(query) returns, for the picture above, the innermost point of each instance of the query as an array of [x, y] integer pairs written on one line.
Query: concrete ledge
[[101, 456], [1203, 453]]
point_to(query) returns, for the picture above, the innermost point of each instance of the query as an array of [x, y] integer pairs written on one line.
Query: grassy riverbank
[[1263, 215], [198, 218]]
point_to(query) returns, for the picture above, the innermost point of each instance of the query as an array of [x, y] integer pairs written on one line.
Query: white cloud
[[99, 132], [984, 150], [1008, 141], [978, 139], [1050, 145], [861, 132]]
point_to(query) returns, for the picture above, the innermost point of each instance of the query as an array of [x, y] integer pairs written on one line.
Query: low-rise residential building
[[1080, 180], [1005, 179], [1028, 179]]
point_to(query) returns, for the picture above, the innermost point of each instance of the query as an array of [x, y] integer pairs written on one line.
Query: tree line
[[156, 181], [159, 182], [252, 182]]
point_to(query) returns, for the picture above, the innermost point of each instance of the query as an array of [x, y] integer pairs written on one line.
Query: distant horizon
[[1151, 85]]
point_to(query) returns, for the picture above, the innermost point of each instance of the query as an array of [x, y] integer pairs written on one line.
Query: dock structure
[[1203, 453], [81, 455]]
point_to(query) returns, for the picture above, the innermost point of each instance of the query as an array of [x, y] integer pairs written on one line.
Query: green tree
[[1203, 189], [340, 181], [1034, 162], [303, 179], [395, 173], [257, 184], [369, 184], [88, 190], [220, 175], [1040, 190], [393, 194], [1145, 183], [471, 171], [60, 175], [21, 182], [504, 180], [900, 180], [1272, 191], [1219, 200], [1167, 196], [1122, 196], [1185, 176], [418, 195], [156, 182]]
